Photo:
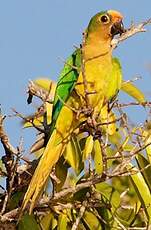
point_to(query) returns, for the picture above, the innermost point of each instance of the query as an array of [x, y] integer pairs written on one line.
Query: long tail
[[51, 155]]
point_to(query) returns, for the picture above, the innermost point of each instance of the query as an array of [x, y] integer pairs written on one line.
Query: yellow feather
[[103, 81], [52, 153]]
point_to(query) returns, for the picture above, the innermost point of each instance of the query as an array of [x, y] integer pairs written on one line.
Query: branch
[[35, 90], [9, 149], [30, 120], [81, 213], [72, 190], [9, 216], [47, 202], [134, 29], [120, 105]]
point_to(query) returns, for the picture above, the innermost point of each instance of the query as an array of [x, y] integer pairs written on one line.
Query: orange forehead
[[116, 16]]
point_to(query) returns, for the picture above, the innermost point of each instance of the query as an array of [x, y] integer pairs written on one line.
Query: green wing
[[68, 78], [66, 83]]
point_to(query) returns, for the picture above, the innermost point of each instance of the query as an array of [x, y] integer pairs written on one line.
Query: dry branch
[[134, 29], [9, 149], [35, 90]]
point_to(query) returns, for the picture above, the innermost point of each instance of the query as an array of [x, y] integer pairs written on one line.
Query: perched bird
[[90, 79]]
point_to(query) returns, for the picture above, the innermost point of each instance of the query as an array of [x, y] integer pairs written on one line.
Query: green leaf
[[14, 201], [46, 84], [73, 156], [61, 173], [98, 161], [133, 91], [88, 147], [147, 141], [105, 216], [81, 194], [109, 193], [146, 171], [36, 121], [62, 222], [91, 221], [49, 108], [46, 221], [28, 222], [2, 168], [142, 191], [115, 138]]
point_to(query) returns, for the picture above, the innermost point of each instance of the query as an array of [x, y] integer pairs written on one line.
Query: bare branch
[[81, 213], [35, 90], [134, 29], [4, 138], [30, 120], [120, 105], [9, 216]]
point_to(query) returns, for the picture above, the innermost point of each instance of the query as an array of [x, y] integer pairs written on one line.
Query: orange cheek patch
[[116, 16]]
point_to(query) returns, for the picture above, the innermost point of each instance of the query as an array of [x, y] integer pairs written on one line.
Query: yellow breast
[[98, 81]]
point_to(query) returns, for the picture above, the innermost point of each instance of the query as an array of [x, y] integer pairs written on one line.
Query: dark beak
[[117, 28]]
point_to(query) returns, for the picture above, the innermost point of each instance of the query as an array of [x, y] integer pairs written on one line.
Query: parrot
[[90, 79]]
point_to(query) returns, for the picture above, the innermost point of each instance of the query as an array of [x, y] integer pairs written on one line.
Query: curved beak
[[117, 28]]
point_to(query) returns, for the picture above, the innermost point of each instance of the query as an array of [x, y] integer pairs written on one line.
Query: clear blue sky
[[34, 34]]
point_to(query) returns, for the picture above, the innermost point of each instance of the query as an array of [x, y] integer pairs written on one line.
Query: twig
[[9, 149], [81, 213], [4, 204], [130, 32], [72, 190], [85, 83], [110, 122], [28, 120], [119, 223], [68, 106], [9, 216], [10, 182], [67, 63], [130, 155], [35, 90], [86, 184], [120, 105], [4, 138], [137, 228]]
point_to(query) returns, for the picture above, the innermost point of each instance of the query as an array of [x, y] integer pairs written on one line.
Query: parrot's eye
[[105, 19]]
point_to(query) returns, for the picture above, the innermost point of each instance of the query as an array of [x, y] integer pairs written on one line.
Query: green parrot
[[90, 78]]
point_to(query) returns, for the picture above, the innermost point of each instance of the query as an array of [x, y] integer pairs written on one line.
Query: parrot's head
[[105, 25]]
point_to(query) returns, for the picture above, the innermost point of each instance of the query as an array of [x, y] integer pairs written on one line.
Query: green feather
[[66, 83]]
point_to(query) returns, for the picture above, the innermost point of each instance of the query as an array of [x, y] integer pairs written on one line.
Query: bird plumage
[[103, 78]]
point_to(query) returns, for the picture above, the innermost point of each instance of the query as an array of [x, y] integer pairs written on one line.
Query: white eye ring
[[105, 19]]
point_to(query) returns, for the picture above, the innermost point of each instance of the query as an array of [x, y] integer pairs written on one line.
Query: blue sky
[[35, 33]]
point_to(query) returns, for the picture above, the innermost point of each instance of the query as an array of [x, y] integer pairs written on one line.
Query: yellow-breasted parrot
[[100, 77]]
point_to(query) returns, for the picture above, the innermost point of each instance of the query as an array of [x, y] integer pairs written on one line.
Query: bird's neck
[[96, 48]]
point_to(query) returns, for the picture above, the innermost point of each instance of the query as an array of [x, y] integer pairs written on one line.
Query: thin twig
[[4, 138], [85, 83], [35, 90], [9, 216], [28, 120], [134, 29], [120, 105], [81, 213], [110, 122], [68, 64]]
